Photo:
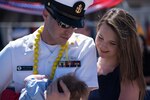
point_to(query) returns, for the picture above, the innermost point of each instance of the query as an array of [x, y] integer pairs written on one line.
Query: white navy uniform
[[16, 59]]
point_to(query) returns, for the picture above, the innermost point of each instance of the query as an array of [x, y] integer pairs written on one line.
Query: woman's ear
[[45, 14]]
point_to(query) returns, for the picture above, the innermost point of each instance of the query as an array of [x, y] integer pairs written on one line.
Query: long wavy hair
[[129, 55]]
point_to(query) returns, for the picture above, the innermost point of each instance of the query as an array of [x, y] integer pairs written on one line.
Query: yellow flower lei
[[36, 54]]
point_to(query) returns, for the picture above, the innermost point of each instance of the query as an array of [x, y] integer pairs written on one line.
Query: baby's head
[[78, 89]]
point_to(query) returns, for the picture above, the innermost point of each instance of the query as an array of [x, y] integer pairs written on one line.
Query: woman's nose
[[103, 45]]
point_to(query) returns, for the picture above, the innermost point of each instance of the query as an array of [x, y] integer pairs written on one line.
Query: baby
[[36, 89]]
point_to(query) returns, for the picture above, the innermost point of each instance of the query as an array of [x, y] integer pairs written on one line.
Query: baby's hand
[[31, 77]]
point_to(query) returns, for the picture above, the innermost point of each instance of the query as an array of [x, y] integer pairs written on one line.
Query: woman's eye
[[112, 43], [100, 37]]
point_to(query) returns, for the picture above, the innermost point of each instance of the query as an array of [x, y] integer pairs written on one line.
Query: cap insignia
[[79, 7]]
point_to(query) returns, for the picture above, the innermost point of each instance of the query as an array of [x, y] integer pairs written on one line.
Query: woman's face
[[106, 42]]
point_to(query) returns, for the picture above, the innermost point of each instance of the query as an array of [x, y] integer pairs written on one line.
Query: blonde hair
[[130, 55]]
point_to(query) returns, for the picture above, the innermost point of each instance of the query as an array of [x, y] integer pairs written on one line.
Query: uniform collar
[[74, 40]]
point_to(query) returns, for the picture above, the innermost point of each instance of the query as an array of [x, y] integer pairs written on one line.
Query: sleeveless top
[[109, 86]]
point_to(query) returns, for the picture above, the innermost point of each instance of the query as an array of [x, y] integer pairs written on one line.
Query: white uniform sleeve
[[88, 70], [5, 67]]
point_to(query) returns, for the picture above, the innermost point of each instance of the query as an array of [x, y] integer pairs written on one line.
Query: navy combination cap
[[70, 12]]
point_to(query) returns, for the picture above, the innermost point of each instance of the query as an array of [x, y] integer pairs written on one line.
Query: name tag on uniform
[[69, 64], [24, 68]]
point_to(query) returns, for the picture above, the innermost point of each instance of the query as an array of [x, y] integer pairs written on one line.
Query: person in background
[[35, 88], [146, 59], [146, 64], [120, 73], [53, 50]]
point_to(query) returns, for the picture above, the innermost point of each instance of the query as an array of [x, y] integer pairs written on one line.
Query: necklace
[[36, 54]]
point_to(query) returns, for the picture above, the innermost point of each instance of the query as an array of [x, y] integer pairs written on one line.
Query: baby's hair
[[77, 88]]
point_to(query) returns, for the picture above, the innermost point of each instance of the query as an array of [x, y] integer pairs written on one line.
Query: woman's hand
[[53, 93]]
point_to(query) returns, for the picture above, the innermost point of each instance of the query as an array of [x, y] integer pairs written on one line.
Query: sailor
[[54, 49]]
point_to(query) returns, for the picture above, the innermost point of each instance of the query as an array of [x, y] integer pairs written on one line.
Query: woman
[[120, 63]]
